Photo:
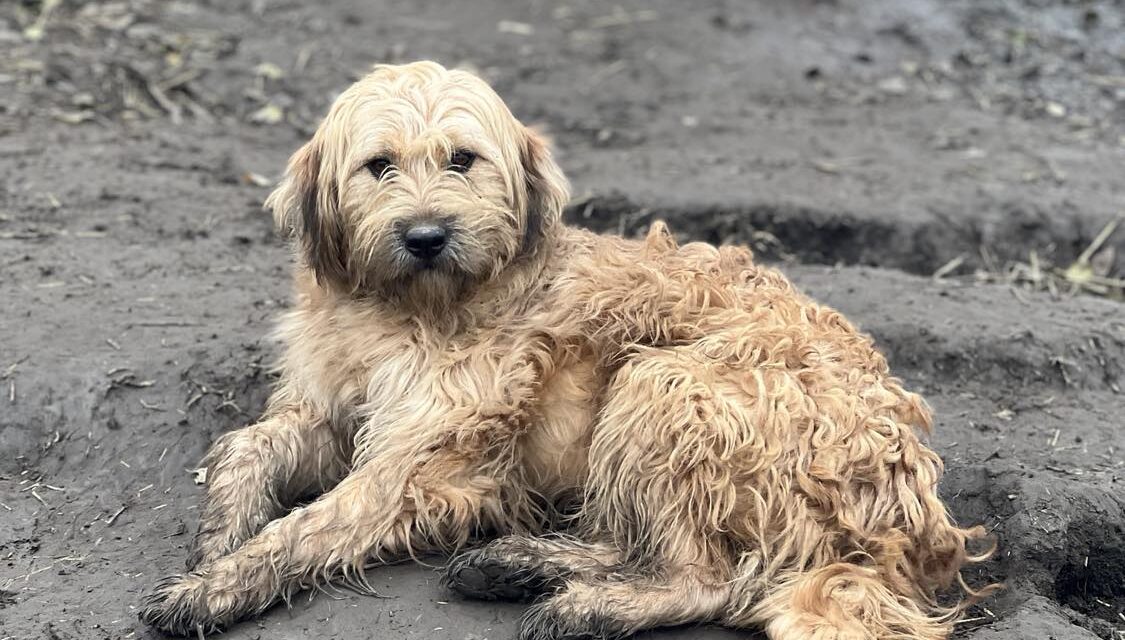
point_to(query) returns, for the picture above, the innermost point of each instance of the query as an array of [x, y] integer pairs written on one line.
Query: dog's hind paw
[[486, 575], [178, 606], [548, 621]]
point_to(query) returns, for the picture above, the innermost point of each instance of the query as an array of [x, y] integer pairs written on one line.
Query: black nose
[[425, 240]]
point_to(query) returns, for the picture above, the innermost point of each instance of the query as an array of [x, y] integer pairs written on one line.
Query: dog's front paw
[[178, 606], [486, 575]]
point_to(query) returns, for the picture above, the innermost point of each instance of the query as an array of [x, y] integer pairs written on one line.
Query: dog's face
[[418, 184]]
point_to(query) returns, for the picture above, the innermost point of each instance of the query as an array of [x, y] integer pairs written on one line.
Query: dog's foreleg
[[254, 473], [389, 508]]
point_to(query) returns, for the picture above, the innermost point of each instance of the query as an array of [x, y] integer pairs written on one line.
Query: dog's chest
[[415, 383], [419, 392], [403, 388]]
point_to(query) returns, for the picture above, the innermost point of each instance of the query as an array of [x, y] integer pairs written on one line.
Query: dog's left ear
[[546, 188]]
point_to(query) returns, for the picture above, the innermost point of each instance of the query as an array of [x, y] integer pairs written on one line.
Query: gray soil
[[863, 144]]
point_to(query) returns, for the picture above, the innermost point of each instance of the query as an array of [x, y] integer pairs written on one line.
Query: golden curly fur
[[707, 443]]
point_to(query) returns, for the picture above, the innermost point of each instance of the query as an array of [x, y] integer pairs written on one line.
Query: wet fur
[[737, 452]]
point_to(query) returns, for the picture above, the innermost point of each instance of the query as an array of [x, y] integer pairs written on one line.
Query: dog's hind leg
[[255, 473], [522, 567], [660, 486], [842, 601], [620, 606]]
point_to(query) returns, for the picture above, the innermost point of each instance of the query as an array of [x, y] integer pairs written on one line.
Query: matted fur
[[718, 446]]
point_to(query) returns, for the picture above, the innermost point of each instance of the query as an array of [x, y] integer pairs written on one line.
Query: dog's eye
[[378, 166], [461, 160]]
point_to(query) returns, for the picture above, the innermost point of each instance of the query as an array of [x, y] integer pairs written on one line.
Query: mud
[[861, 145]]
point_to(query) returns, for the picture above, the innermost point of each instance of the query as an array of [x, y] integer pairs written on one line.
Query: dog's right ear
[[306, 206]]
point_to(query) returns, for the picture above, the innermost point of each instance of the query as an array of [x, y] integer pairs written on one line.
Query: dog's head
[[419, 182]]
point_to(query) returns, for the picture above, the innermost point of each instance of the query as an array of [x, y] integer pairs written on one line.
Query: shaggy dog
[[706, 443]]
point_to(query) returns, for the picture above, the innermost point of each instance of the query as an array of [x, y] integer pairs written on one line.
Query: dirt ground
[[865, 144]]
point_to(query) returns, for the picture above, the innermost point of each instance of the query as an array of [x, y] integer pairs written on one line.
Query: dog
[[640, 433]]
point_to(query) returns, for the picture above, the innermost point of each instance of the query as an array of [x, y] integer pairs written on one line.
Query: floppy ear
[[546, 188], [306, 206]]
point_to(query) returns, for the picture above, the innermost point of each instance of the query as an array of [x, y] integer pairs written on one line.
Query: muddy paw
[[546, 621], [178, 606], [486, 575]]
